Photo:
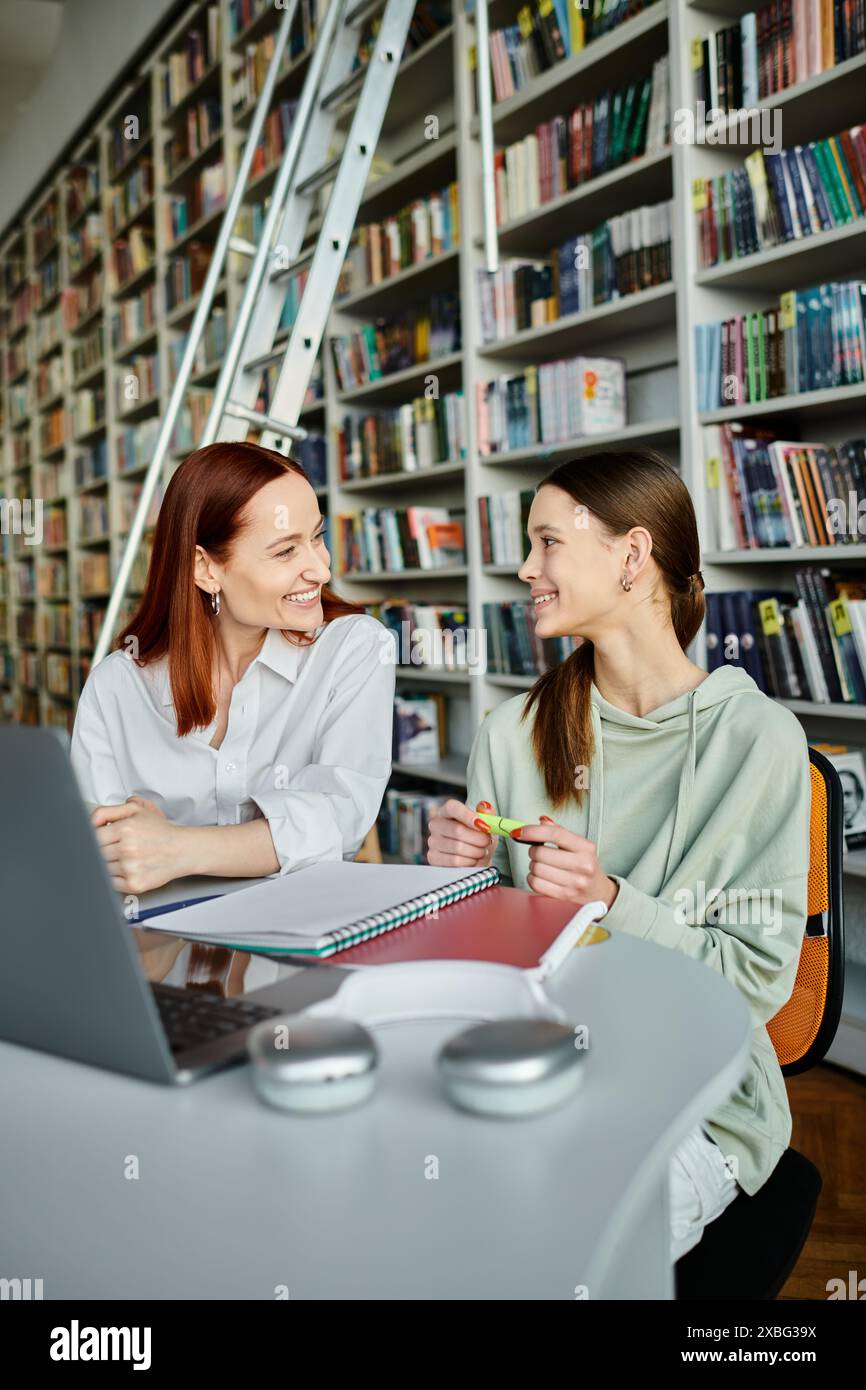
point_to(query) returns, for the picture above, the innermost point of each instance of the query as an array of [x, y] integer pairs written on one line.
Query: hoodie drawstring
[[684, 794]]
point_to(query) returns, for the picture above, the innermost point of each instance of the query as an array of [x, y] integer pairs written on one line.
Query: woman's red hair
[[203, 505]]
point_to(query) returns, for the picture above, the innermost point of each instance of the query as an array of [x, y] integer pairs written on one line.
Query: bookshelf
[[119, 326]]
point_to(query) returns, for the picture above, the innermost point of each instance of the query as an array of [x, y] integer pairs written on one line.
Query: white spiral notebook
[[324, 908]]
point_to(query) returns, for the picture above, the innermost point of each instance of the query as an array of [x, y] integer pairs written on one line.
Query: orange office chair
[[751, 1249]]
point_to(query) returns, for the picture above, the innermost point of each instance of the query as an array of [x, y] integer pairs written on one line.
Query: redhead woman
[[679, 798], [242, 727]]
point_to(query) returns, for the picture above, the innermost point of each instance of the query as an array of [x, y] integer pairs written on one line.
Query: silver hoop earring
[[215, 601]]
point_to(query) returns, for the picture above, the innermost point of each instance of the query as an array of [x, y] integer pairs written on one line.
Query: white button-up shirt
[[308, 742]]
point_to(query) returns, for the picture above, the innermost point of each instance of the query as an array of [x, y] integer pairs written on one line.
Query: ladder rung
[[277, 352], [242, 246], [265, 422], [320, 177], [343, 89]]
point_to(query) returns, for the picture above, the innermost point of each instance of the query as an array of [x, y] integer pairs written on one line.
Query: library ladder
[[305, 168]]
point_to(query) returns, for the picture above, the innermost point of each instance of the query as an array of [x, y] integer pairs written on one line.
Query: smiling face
[[573, 567], [278, 562]]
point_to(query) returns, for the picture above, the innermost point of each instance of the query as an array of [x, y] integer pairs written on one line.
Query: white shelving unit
[[652, 331]]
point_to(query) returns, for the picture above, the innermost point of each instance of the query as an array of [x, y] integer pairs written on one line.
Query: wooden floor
[[828, 1107]]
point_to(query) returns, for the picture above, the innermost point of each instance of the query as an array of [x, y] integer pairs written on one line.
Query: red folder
[[501, 924]]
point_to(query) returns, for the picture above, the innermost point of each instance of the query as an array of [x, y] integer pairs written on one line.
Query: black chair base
[[750, 1250]]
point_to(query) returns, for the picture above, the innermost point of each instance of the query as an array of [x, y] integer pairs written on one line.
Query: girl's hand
[[458, 838], [140, 845], [565, 867]]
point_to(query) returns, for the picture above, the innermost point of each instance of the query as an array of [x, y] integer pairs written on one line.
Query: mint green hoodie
[[706, 795]]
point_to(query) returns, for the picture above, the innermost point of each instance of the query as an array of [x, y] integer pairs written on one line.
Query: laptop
[[70, 981]]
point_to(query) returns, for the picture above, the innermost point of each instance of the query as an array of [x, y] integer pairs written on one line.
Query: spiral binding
[[368, 927]]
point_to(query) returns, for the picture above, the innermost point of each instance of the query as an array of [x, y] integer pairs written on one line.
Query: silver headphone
[[518, 1056]]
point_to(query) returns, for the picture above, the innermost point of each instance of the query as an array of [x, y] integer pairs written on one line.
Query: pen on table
[[568, 937], [170, 907]]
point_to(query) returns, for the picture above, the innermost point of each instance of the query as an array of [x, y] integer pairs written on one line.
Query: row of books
[[79, 302], [46, 227], [88, 352], [566, 399], [93, 516], [626, 254], [393, 539], [129, 197], [132, 254], [426, 227], [46, 283], [782, 43], [82, 187], [403, 824], [186, 274], [815, 340], [546, 33], [55, 625], [562, 153], [210, 350], [135, 445], [201, 126], [429, 18], [207, 193], [248, 78], [513, 645], [274, 138], [241, 14], [774, 198], [187, 66], [805, 644], [91, 462], [87, 410], [419, 730], [423, 333], [312, 454], [49, 331], [129, 133], [504, 518], [417, 435], [427, 636], [85, 242], [765, 492], [136, 381], [132, 317]]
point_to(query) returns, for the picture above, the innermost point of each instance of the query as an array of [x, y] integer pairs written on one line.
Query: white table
[[404, 1197]]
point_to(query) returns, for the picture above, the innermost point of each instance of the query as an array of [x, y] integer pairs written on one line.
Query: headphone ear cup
[[307, 1065], [512, 1066]]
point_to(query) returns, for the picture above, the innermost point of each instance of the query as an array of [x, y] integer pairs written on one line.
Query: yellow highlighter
[[498, 824]]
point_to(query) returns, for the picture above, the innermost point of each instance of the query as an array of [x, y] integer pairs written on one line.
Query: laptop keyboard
[[192, 1017]]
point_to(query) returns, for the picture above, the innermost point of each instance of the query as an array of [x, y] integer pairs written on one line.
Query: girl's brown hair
[[640, 488], [203, 505]]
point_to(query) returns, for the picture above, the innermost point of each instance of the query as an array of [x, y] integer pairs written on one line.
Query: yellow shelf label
[[524, 19], [544, 7], [700, 201], [771, 618], [787, 305], [839, 614], [714, 465], [696, 51]]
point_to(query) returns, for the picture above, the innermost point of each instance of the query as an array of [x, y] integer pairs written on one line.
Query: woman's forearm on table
[[230, 851]]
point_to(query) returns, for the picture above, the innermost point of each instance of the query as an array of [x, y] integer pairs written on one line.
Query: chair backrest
[[805, 1026]]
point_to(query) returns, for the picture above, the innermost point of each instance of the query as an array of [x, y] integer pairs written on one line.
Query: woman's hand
[[565, 867], [458, 838], [140, 845]]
